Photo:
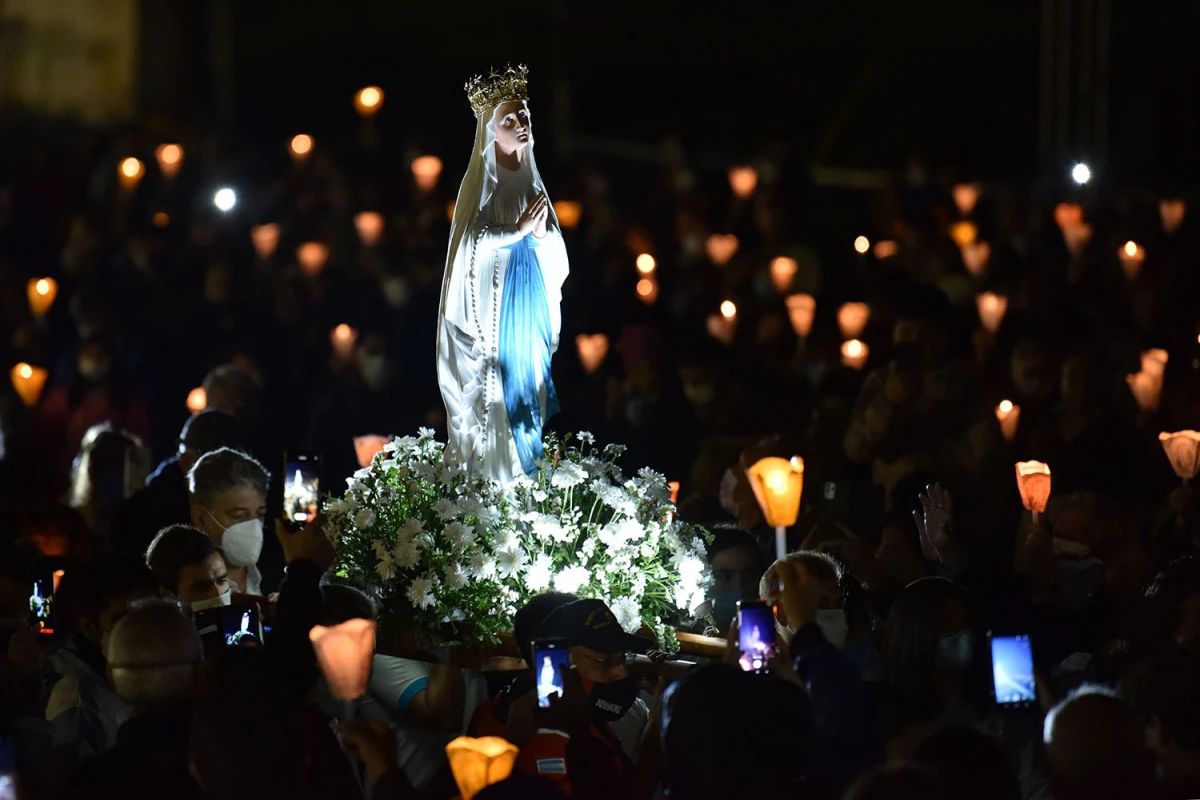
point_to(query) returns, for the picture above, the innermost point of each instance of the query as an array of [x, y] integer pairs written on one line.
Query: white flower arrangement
[[440, 548]]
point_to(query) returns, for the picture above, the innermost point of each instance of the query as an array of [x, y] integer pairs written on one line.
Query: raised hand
[[935, 522], [534, 216]]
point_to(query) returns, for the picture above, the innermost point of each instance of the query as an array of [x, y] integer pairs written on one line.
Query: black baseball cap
[[591, 624]]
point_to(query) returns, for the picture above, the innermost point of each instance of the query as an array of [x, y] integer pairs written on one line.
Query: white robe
[[479, 436]]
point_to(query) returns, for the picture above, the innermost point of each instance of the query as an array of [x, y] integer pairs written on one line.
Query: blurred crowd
[[175, 324]]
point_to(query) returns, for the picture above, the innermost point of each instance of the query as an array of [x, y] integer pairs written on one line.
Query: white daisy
[[409, 530], [445, 509], [455, 579], [537, 578], [407, 554], [385, 568], [482, 567], [585, 437], [459, 536], [420, 593], [568, 475], [364, 519], [571, 579], [511, 561], [628, 613]]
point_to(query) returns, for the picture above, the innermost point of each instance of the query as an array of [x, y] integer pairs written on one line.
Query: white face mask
[[834, 626], [242, 543], [214, 602], [105, 637]]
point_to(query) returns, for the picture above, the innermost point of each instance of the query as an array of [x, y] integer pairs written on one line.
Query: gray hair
[[222, 470], [154, 655]]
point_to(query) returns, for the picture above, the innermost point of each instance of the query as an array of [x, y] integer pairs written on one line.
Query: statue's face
[[512, 126]]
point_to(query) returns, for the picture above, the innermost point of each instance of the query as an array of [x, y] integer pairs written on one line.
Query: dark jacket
[[162, 503], [150, 760]]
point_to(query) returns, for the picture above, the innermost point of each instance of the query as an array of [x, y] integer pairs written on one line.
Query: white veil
[[477, 188]]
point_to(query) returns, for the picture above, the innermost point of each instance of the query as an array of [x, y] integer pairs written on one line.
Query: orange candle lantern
[[777, 484], [161, 219], [783, 270], [721, 247], [312, 257], [343, 338], [801, 310], [963, 233], [1008, 414], [992, 308], [477, 763], [130, 172], [1077, 238], [722, 328], [673, 486], [426, 170], [265, 239], [861, 245], [647, 290], [855, 354], [300, 147], [169, 158], [41, 293], [886, 249], [1033, 481], [975, 257], [743, 180], [1132, 255], [197, 400], [852, 319], [368, 100], [366, 447], [593, 349], [965, 195], [344, 653], [1183, 451], [1171, 211], [1146, 390], [646, 264], [369, 225], [1068, 214], [569, 213], [29, 381], [1154, 361]]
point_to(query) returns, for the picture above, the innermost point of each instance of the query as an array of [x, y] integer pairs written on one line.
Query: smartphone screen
[[41, 605], [1012, 671], [549, 657], [756, 635], [8, 770], [301, 487], [237, 625]]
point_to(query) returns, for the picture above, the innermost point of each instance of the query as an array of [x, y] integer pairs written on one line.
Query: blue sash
[[525, 340]]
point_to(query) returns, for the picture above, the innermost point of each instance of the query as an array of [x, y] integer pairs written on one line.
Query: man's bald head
[[154, 656], [1095, 745]]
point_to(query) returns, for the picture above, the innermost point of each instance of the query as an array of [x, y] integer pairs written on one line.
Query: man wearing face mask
[[188, 566], [83, 709], [601, 653], [228, 493]]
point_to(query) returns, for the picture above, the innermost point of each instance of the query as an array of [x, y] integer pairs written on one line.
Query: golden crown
[[488, 91]]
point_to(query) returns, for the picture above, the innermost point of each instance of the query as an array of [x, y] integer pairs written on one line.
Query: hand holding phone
[[756, 635], [1013, 684], [550, 657]]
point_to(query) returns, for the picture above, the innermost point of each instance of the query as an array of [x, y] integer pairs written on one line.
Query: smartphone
[[550, 656], [756, 635], [1012, 671], [301, 487], [8, 770], [236, 625], [41, 602]]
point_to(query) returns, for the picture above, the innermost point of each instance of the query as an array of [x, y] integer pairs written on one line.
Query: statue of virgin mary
[[499, 320]]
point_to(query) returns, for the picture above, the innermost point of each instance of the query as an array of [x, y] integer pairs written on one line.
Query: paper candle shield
[[344, 653], [478, 763], [41, 293], [1067, 214], [743, 181], [647, 291], [426, 170], [783, 269], [1009, 416], [963, 233], [777, 484], [855, 354], [721, 247], [365, 448], [312, 257], [1033, 481], [197, 400], [265, 239], [975, 257], [674, 487], [801, 309], [1171, 212], [29, 381], [992, 308], [852, 319], [1183, 451], [721, 327], [1131, 255], [170, 159], [369, 225], [965, 195], [1077, 237], [592, 351]]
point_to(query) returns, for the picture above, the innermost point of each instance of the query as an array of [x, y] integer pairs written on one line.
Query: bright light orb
[[225, 199], [1081, 173]]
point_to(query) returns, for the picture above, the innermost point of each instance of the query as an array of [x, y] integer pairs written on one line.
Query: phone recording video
[[550, 656], [756, 635], [41, 601], [301, 487], [1012, 671], [236, 625]]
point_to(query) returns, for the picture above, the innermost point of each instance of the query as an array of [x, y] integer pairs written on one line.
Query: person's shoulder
[[544, 754]]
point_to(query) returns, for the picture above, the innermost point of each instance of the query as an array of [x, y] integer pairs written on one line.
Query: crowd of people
[[913, 548]]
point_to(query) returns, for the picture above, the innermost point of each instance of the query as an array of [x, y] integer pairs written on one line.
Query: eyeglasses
[[614, 661]]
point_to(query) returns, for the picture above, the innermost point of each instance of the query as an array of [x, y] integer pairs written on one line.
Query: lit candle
[[861, 245], [854, 354], [197, 400], [963, 233], [721, 247], [312, 257], [721, 327], [343, 338], [1132, 255], [852, 319], [801, 310], [29, 381], [975, 257], [743, 180], [992, 308], [783, 270], [170, 159], [568, 212], [369, 225], [965, 195], [300, 147], [41, 293], [1008, 415], [647, 290], [368, 100], [886, 249], [646, 264], [1171, 211], [592, 350], [265, 239], [426, 170], [130, 172]]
